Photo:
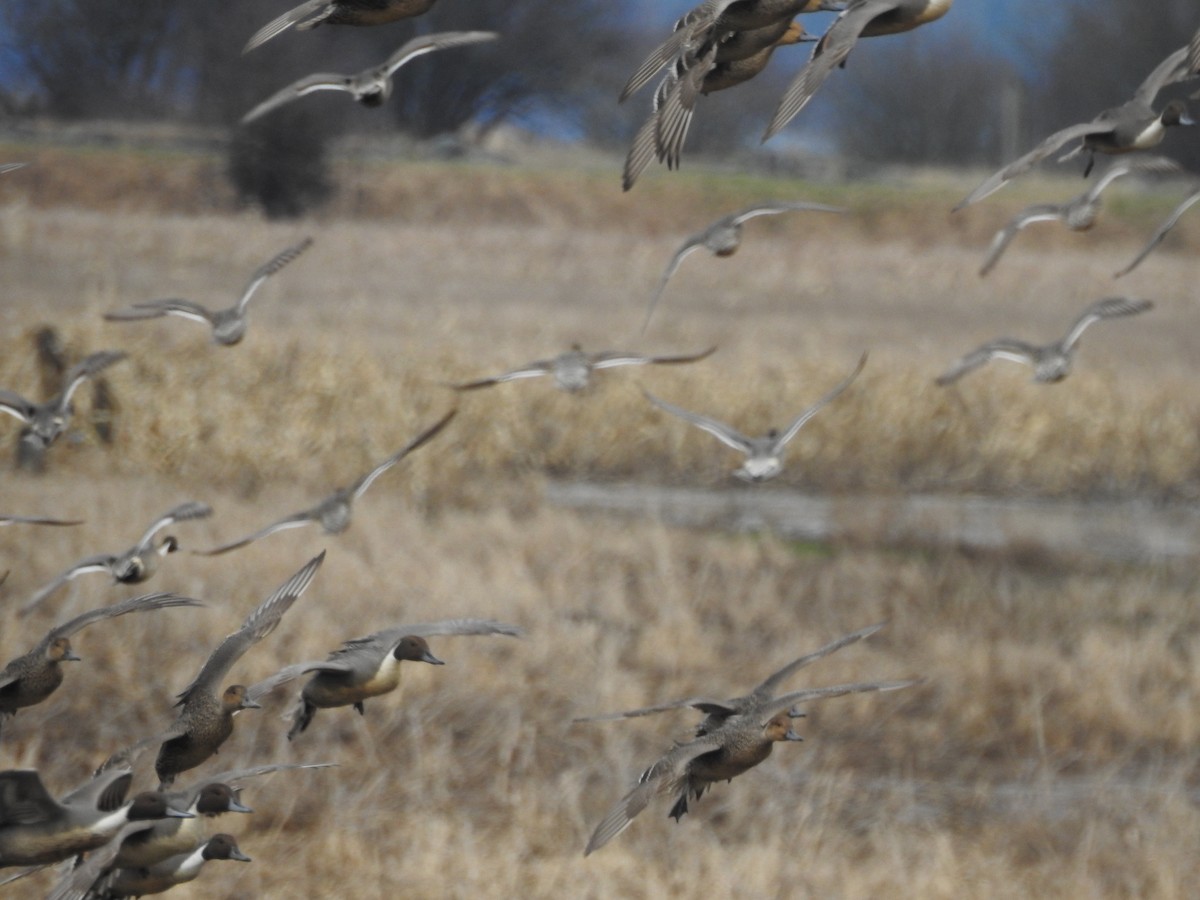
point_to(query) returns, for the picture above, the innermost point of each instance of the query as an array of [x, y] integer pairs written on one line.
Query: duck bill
[[71, 656], [239, 856], [431, 659], [234, 806], [173, 813], [792, 736], [250, 704]]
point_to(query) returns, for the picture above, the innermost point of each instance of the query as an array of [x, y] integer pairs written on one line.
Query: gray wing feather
[[984, 354], [269, 268], [85, 369], [287, 20], [1042, 212], [1022, 165], [260, 623], [821, 404], [192, 509], [427, 44], [771, 683], [156, 309], [293, 521], [160, 600], [1161, 233], [322, 81], [731, 437], [363, 483], [1108, 308], [789, 701], [612, 358]]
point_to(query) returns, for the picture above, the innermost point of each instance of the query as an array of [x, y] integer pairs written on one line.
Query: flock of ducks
[[156, 839]]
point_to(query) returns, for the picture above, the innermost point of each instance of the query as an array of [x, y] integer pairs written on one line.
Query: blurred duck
[[10, 167], [573, 369], [724, 236], [173, 871], [36, 829], [1078, 214], [135, 565], [735, 736], [739, 745], [339, 12], [333, 513], [228, 325], [862, 18], [30, 679], [370, 87], [1123, 129], [716, 711], [1161, 233], [205, 719], [764, 455], [663, 134], [156, 842], [706, 24], [47, 421], [1050, 362], [370, 666]]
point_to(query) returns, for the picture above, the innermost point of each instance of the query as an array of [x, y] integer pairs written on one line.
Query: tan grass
[[1049, 752]]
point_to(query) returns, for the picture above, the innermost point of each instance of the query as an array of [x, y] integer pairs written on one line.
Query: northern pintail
[[703, 71], [764, 455], [208, 798], [370, 87], [229, 324], [151, 843], [205, 719], [135, 565], [690, 768], [1161, 233], [1079, 213], [162, 876], [46, 421], [339, 12], [717, 711], [724, 236], [1123, 129], [30, 679], [36, 829], [573, 369], [333, 513], [37, 520], [862, 18], [735, 736], [1050, 362], [370, 666], [704, 25]]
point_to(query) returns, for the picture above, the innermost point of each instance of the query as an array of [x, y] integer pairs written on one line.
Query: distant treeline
[[935, 96]]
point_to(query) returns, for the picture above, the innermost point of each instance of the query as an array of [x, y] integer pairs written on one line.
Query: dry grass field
[[1050, 749]]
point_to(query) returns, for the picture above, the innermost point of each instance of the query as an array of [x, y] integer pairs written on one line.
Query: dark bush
[[279, 163]]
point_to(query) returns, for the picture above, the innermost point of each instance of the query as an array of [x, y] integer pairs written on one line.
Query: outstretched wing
[[1022, 165], [192, 509], [830, 51], [85, 369], [17, 406], [731, 437], [1008, 348], [771, 683], [790, 701], [293, 521], [155, 309], [705, 704], [659, 778], [777, 207], [1108, 308], [322, 81], [37, 520], [312, 8], [419, 46], [101, 562], [160, 600], [608, 359], [267, 269], [531, 370], [363, 483], [1161, 233], [261, 622], [1041, 212], [820, 404]]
